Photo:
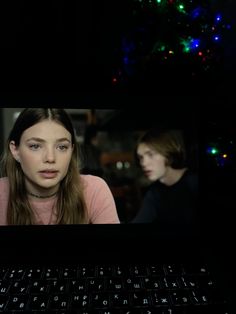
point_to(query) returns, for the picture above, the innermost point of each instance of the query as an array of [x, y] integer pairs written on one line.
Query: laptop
[[127, 268]]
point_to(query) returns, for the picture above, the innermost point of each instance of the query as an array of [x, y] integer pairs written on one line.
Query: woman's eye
[[34, 146], [63, 147]]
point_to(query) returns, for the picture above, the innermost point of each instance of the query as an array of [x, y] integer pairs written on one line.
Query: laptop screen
[[210, 154]]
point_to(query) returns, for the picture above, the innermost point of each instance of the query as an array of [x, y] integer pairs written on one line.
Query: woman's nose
[[49, 155]]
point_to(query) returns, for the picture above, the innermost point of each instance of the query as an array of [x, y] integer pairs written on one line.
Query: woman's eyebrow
[[63, 139], [38, 139]]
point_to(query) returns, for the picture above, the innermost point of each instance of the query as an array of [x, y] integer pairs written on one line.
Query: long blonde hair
[[71, 207]]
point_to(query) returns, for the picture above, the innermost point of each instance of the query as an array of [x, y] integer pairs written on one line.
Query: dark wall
[[70, 46]]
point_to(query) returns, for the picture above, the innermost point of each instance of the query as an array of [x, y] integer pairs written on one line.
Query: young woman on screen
[[41, 181]]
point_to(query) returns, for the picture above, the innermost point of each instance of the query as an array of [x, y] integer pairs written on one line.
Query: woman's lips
[[48, 174]]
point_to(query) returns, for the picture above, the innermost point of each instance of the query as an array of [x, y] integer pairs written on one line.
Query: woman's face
[[154, 165], [44, 153]]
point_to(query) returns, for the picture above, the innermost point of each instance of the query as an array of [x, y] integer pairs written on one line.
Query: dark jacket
[[170, 206]]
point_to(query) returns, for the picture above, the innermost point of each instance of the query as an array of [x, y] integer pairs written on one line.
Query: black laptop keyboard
[[110, 289]]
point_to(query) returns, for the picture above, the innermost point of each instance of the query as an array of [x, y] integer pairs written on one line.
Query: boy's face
[[44, 153], [154, 165]]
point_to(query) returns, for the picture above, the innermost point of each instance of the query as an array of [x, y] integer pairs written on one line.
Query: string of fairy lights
[[222, 152], [163, 33]]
